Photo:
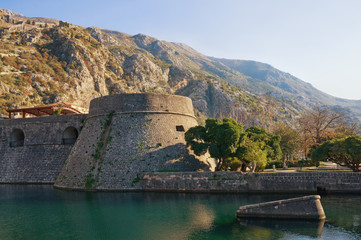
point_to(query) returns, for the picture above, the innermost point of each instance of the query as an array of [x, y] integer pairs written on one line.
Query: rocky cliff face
[[45, 61]]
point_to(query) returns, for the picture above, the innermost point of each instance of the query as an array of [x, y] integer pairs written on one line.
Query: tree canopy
[[220, 138], [345, 152], [270, 142], [323, 123], [257, 147], [232, 146], [290, 141]]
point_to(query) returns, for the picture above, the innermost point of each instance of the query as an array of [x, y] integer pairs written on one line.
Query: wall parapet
[[310, 182], [141, 102]]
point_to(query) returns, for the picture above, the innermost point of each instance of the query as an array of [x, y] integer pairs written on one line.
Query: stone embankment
[[310, 182]]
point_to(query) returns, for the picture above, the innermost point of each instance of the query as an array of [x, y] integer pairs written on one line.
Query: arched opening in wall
[[179, 128], [70, 135], [17, 138]]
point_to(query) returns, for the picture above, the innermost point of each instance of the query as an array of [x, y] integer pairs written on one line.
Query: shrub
[[278, 164]]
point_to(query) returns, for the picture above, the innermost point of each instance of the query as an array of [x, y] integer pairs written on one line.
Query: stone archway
[[17, 138], [70, 135]]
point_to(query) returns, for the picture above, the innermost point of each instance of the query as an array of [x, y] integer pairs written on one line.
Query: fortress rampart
[[121, 136], [142, 103], [134, 142], [127, 134], [33, 150]]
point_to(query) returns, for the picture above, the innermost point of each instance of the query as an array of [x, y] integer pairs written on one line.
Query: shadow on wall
[[176, 157]]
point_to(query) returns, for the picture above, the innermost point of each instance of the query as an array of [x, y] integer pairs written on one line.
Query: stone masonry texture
[[135, 142], [127, 134], [331, 182], [43, 153]]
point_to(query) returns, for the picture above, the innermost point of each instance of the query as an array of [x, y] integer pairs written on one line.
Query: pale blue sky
[[318, 41]]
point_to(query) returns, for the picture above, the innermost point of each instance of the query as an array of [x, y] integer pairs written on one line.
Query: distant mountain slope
[[285, 83], [45, 60]]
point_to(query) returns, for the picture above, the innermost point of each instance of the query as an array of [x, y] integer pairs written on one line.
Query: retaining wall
[[332, 182]]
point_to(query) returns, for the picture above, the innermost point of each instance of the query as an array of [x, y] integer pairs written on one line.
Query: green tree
[[232, 164], [267, 142], [232, 146], [252, 154], [345, 152], [290, 141], [220, 138]]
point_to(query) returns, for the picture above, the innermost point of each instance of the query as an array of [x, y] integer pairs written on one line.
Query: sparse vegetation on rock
[[51, 61]]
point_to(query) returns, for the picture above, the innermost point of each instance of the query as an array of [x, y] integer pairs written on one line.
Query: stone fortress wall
[[300, 182], [33, 150], [127, 134], [134, 142]]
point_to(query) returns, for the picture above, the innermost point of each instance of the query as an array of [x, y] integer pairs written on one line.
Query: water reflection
[[300, 227], [136, 215], [40, 212], [344, 211], [202, 217]]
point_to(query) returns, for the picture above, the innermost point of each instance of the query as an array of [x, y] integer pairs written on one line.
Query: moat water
[[41, 212]]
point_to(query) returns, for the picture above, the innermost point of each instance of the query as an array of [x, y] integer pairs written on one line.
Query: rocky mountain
[[45, 61], [287, 85]]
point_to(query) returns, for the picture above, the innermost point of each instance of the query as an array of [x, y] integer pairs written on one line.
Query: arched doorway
[[17, 138], [70, 135]]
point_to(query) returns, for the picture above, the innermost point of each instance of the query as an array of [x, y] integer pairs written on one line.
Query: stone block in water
[[307, 207]]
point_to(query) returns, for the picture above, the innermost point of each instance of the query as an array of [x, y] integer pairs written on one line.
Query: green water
[[40, 212]]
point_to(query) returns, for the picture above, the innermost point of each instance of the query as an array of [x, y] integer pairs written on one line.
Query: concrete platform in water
[[308, 207]]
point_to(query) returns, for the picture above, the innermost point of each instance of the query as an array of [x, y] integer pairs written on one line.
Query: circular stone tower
[[126, 134]]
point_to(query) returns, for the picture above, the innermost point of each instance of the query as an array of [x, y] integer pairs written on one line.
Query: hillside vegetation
[[45, 61]]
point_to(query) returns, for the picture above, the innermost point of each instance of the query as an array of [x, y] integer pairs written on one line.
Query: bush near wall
[[279, 164]]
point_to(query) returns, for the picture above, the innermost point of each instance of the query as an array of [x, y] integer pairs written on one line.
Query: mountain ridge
[[263, 70], [58, 61]]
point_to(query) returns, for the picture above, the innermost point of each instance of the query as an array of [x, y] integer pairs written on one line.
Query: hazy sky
[[318, 41]]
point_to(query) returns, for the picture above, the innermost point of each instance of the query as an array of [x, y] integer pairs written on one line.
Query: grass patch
[[89, 181]]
